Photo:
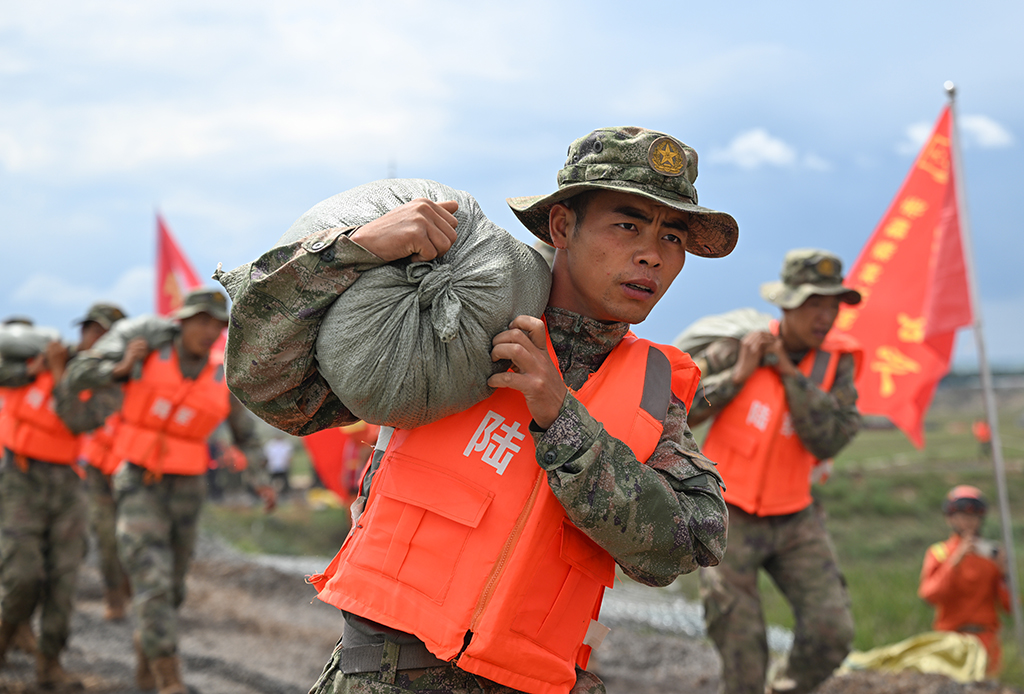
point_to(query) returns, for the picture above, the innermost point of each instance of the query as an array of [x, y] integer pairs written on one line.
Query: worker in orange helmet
[[965, 576]]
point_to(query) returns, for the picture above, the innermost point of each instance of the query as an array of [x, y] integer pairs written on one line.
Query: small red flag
[[175, 275], [339, 456], [913, 280]]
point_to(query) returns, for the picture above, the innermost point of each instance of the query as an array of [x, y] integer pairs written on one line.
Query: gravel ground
[[252, 626]]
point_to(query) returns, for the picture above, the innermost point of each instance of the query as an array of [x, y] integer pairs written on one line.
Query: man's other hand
[[533, 373], [134, 353]]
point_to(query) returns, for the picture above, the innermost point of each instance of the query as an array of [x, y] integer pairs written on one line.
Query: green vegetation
[[294, 528]]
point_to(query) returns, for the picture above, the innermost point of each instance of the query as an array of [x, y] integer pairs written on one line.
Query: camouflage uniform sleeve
[[83, 415], [658, 519], [278, 303], [14, 374], [243, 432], [825, 422], [716, 389]]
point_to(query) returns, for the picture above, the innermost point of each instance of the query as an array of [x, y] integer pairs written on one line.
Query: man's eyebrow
[[636, 213], [632, 212]]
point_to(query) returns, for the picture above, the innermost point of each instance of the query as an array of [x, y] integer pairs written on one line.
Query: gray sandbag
[[156, 330], [19, 342], [410, 342], [735, 324]]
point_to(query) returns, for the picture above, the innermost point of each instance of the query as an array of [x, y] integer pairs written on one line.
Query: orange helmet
[[964, 498]]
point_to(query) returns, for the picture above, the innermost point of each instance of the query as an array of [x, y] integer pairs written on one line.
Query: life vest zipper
[[506, 551]]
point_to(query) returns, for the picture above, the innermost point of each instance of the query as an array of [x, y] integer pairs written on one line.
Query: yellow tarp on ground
[[961, 657]]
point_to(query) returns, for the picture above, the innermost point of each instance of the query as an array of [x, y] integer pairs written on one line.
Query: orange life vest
[[461, 532], [765, 466], [98, 446], [166, 418], [30, 427]]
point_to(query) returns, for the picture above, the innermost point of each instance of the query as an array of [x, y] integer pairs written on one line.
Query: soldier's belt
[[368, 658]]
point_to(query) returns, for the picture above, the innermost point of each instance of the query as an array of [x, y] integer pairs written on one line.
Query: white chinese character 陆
[[161, 408], [35, 398], [759, 415], [497, 449]]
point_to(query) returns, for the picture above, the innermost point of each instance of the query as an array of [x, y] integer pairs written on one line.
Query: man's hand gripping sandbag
[[410, 342]]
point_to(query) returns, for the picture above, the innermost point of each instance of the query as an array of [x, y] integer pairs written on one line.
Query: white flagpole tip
[[950, 89]]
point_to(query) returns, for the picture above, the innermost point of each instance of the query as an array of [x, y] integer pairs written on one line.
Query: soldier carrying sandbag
[[783, 398], [488, 537]]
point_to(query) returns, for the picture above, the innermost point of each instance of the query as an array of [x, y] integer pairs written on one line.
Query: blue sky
[[233, 118]]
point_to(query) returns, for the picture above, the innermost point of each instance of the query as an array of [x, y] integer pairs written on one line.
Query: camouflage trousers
[[797, 553], [42, 544], [434, 680], [157, 525], [103, 519]]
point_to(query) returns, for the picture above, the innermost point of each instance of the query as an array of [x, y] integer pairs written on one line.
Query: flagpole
[[986, 378]]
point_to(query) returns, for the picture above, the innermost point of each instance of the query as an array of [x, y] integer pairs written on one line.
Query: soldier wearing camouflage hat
[[174, 395], [43, 512], [98, 463], [581, 480], [783, 399]]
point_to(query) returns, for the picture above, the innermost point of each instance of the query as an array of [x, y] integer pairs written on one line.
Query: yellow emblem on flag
[[936, 159], [666, 156], [892, 362], [910, 329]]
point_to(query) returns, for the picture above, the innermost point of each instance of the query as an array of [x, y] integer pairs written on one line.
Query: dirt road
[[248, 628]]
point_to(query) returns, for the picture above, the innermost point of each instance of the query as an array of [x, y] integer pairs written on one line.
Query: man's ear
[[561, 221]]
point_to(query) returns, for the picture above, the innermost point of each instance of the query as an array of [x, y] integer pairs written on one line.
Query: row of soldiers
[[129, 408]]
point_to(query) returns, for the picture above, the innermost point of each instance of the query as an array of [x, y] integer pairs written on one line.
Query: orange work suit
[[166, 418], [461, 533], [765, 466], [965, 596], [30, 428]]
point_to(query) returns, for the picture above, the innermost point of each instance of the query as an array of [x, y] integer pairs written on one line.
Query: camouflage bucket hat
[[203, 300], [641, 162], [805, 272], [105, 315]]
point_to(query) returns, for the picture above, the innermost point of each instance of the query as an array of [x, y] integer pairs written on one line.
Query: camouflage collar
[[581, 344]]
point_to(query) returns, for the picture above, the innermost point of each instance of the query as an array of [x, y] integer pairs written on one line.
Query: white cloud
[[756, 148], [985, 132], [321, 83], [977, 130], [133, 290], [916, 135]]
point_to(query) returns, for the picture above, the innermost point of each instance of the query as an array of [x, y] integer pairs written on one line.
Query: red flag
[[913, 280], [175, 275], [339, 455]]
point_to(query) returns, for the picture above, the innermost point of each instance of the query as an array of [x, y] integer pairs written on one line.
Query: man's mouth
[[639, 287]]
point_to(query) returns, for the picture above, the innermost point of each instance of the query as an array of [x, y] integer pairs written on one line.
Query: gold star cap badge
[[826, 268], [666, 157]]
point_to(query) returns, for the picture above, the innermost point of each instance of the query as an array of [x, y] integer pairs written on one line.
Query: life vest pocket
[[564, 588], [415, 527]]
